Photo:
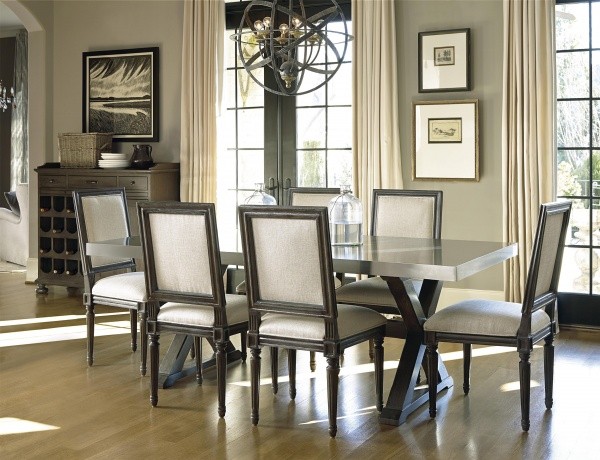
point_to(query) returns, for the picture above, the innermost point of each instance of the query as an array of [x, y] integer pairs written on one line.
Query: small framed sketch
[[444, 61], [446, 140], [120, 94]]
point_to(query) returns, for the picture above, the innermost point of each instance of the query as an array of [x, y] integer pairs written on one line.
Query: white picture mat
[[444, 76], [446, 160]]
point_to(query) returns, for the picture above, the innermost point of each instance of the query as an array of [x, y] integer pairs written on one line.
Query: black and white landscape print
[[121, 94]]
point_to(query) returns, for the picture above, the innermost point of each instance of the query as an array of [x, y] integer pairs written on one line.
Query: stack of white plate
[[113, 160]]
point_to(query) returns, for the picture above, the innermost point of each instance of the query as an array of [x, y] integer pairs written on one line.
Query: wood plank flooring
[[104, 411]]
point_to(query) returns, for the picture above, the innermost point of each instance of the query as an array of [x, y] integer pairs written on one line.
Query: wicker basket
[[82, 150]]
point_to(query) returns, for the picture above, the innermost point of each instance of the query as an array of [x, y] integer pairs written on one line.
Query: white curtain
[[376, 138], [528, 128], [201, 90]]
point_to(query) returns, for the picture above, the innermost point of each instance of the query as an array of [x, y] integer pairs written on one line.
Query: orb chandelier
[[303, 52]]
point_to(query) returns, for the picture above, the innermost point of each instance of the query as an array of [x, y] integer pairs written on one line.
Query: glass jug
[[345, 219], [260, 197], [142, 156]]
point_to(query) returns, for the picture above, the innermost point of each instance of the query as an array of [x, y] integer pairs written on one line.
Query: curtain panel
[[201, 90], [376, 132], [528, 129]]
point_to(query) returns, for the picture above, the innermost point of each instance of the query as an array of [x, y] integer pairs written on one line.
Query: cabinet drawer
[[76, 182], [131, 183], [52, 182]]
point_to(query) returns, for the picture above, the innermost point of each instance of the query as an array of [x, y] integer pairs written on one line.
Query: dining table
[[398, 261]]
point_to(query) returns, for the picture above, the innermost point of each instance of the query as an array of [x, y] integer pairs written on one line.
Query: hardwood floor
[[105, 412]]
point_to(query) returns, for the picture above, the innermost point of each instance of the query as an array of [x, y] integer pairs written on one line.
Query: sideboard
[[59, 260]]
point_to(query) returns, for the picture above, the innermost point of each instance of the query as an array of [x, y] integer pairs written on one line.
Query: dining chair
[[291, 297], [405, 213], [102, 214], [185, 288], [520, 325]]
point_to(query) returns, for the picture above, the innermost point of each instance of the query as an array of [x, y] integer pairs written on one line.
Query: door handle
[[287, 183], [273, 184]]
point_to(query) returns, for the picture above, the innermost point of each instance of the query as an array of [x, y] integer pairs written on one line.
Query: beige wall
[[471, 210]]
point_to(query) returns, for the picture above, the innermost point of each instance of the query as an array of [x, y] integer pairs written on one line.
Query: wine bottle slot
[[58, 203]]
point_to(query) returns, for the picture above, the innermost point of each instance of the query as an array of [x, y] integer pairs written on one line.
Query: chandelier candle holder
[[303, 53], [6, 102]]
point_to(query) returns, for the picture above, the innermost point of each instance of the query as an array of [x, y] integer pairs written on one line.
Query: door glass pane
[[573, 124], [596, 123], [311, 168], [595, 25], [340, 89], [226, 170], [339, 168], [573, 173], [228, 135], [313, 98], [340, 127], [572, 74], [596, 73], [579, 224], [338, 40], [575, 273], [572, 26], [310, 128], [249, 93], [251, 166], [251, 128], [226, 219]]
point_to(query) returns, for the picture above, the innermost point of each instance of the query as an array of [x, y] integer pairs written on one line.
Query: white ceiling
[[8, 20]]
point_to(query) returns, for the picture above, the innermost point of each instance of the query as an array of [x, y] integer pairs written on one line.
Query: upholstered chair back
[[407, 213], [546, 257], [101, 215], [182, 255], [306, 196], [287, 258]]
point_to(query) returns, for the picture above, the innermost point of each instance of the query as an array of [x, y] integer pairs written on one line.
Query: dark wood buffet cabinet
[[59, 260]]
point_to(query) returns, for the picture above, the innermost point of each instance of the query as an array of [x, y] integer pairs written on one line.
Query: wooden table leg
[[172, 365]]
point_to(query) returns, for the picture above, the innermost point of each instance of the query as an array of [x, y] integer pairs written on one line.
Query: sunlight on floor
[[358, 413], [516, 386], [50, 319], [57, 334], [11, 425]]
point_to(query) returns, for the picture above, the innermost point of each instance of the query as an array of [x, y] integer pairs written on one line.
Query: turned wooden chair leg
[[143, 341], [333, 373], [432, 361], [89, 319], [274, 369], [549, 369], [378, 349], [133, 323], [154, 364], [313, 362], [292, 372], [221, 374], [198, 353], [525, 381], [243, 340], [255, 383], [371, 352], [466, 367]]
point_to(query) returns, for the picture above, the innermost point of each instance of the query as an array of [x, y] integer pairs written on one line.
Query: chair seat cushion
[[203, 315], [240, 289], [370, 291], [352, 320], [127, 286], [484, 317]]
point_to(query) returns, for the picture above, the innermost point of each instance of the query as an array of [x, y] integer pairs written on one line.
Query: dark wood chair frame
[[524, 339], [218, 335], [332, 346], [90, 273]]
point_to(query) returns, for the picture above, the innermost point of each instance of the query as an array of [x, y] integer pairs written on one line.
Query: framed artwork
[[446, 140], [445, 61], [120, 94]]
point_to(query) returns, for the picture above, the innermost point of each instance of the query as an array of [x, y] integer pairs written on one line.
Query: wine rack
[[59, 259]]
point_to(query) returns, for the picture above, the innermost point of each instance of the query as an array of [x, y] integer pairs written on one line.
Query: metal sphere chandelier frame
[[298, 45]]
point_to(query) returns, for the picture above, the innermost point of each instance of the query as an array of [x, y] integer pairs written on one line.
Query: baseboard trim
[[450, 296]]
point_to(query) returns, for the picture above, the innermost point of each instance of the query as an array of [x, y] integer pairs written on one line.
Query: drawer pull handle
[[132, 182], [92, 181]]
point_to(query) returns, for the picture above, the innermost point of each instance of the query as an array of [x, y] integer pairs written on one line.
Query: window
[[303, 141], [578, 154]]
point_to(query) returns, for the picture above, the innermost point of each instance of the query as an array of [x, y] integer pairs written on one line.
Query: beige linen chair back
[[181, 250], [546, 261], [101, 215], [407, 213], [287, 253], [312, 196]]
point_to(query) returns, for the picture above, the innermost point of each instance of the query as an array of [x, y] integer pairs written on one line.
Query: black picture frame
[[445, 61], [121, 94]]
